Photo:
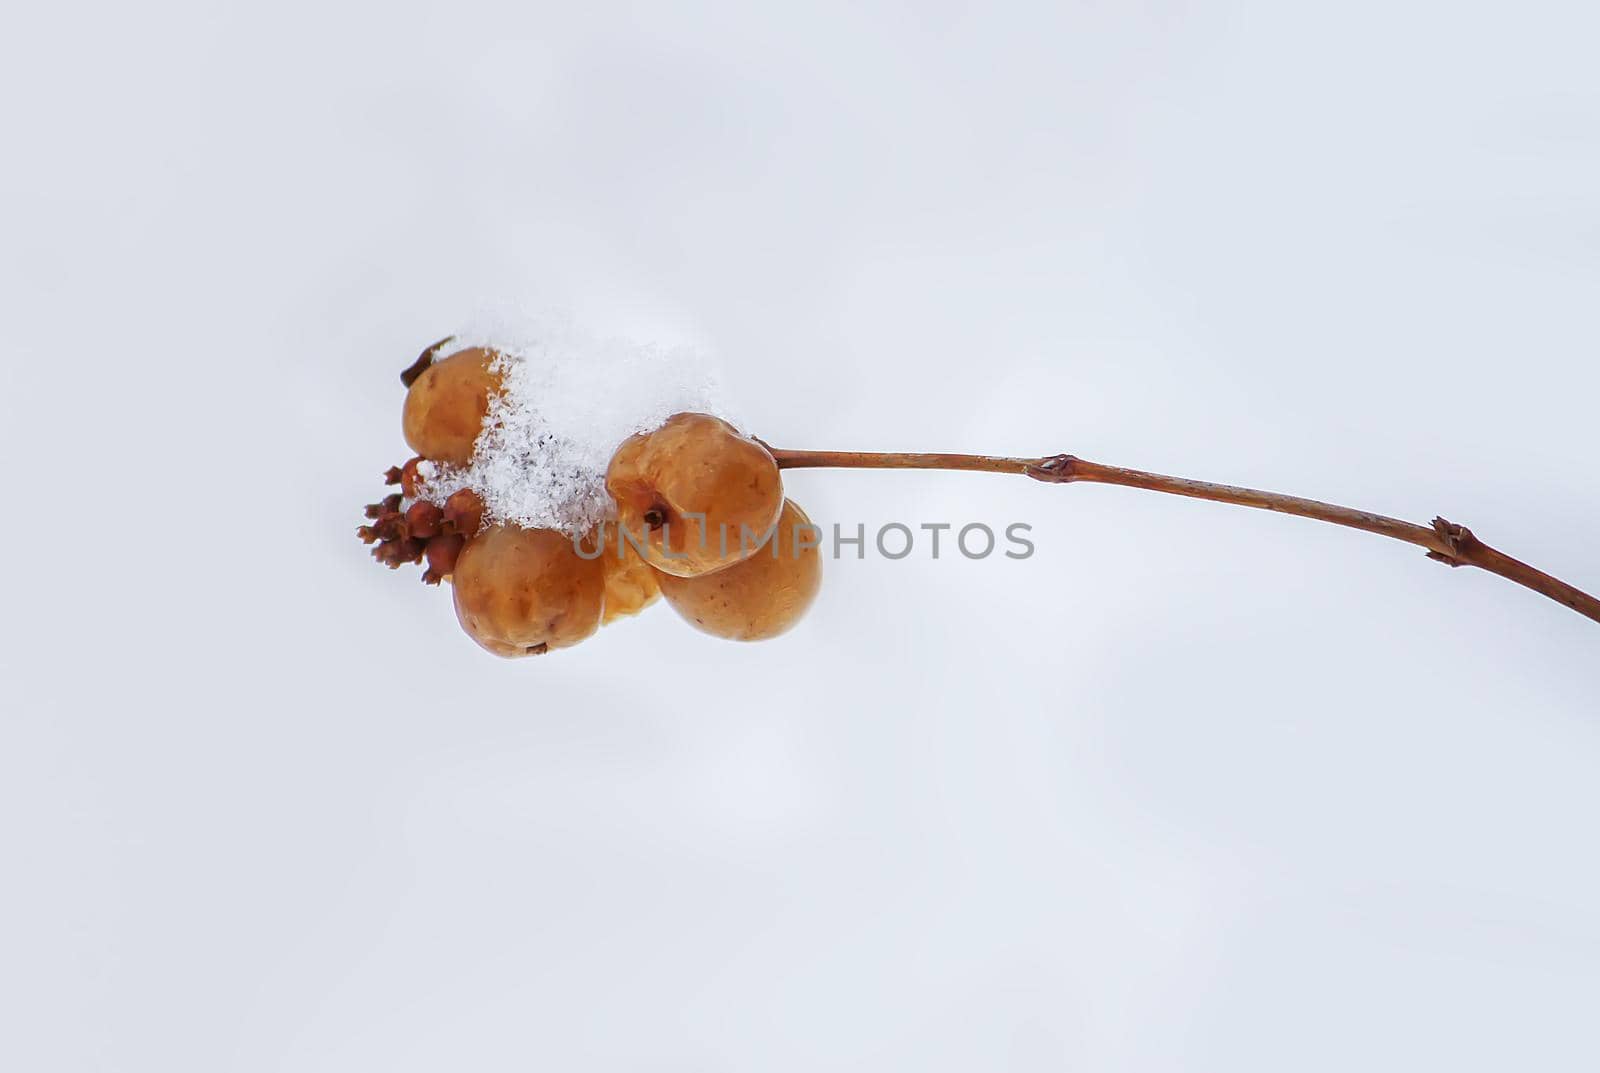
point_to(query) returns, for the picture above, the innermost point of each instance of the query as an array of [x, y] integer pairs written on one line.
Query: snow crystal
[[569, 398]]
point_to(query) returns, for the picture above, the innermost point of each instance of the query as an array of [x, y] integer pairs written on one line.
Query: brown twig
[[1445, 541], [410, 373]]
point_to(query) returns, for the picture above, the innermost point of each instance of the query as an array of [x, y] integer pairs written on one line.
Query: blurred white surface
[[1192, 788]]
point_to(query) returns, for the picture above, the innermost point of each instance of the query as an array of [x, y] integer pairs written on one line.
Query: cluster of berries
[[700, 520], [420, 531]]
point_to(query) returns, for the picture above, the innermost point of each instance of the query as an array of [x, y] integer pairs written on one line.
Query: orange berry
[[446, 405], [759, 597], [695, 492], [631, 584], [519, 592]]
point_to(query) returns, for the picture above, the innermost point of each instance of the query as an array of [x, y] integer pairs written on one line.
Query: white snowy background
[[1192, 788]]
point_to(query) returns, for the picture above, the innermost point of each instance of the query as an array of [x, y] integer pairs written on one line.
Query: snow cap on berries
[[569, 398]]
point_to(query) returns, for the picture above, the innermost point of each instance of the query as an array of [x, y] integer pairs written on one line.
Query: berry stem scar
[[1445, 542]]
